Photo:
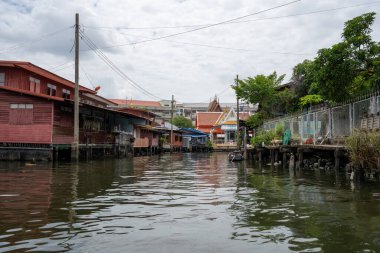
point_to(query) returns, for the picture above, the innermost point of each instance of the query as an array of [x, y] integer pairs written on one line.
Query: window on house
[[51, 90], [2, 79], [35, 85], [65, 94], [21, 114]]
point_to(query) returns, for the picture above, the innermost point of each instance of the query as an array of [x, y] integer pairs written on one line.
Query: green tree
[[347, 67], [259, 90], [303, 78], [310, 100], [182, 122]]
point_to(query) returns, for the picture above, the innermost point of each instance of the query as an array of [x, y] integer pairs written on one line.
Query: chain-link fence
[[340, 121], [323, 123], [296, 127], [360, 109]]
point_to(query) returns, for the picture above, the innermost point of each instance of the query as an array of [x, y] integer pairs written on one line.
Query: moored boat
[[235, 156]]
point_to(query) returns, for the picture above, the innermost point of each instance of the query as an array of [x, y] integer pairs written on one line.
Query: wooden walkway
[[274, 151]]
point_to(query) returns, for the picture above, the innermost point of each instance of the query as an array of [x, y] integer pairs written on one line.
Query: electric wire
[[116, 69], [42, 37], [65, 67], [87, 76], [220, 47], [233, 22], [60, 65], [206, 26]]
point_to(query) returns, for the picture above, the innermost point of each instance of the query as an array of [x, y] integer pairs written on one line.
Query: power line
[[60, 65], [42, 37], [220, 47], [117, 70], [65, 67], [87, 76], [233, 22], [206, 26]]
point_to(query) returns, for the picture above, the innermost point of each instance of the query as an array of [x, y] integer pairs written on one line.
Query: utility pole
[[237, 116], [171, 125], [75, 146]]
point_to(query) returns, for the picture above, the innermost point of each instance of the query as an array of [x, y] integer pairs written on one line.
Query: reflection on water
[[183, 203]]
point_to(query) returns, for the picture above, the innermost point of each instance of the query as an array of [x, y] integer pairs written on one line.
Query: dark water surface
[[183, 203]]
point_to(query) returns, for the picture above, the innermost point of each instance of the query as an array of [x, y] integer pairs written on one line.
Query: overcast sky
[[193, 66]]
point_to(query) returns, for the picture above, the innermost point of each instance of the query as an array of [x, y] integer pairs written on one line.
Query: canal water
[[183, 203]]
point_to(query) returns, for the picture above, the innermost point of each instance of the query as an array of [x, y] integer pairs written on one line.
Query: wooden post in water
[[271, 151], [337, 159], [300, 155], [284, 159]]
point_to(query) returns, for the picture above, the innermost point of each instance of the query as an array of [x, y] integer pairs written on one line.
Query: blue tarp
[[193, 132]]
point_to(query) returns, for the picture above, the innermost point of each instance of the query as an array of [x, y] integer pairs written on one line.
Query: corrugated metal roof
[[141, 103], [44, 73], [32, 93]]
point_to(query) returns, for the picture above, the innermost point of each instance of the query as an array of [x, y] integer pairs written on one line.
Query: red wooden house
[[36, 113]]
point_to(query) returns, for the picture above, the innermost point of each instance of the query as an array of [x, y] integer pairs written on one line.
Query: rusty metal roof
[[43, 73]]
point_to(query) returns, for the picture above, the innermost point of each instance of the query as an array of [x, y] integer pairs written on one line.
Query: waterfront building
[[166, 137], [221, 126], [36, 117]]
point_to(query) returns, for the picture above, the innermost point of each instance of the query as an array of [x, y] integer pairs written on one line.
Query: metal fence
[[327, 122]]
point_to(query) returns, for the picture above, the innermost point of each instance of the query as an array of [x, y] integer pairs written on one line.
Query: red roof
[[141, 103], [207, 119], [43, 72], [32, 93], [206, 130], [217, 130]]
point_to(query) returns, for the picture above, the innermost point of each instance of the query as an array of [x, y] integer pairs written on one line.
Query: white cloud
[[165, 67]]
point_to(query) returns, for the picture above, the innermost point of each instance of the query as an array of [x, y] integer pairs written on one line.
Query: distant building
[[189, 110], [161, 108], [221, 126]]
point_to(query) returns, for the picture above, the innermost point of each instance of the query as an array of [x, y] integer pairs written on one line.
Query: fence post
[[330, 123], [351, 113], [315, 126]]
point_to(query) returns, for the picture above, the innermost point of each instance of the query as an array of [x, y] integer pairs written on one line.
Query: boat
[[235, 156]]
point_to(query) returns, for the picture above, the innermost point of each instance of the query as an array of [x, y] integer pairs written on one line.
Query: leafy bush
[[310, 100], [280, 131], [209, 143], [364, 149], [255, 120], [263, 137]]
